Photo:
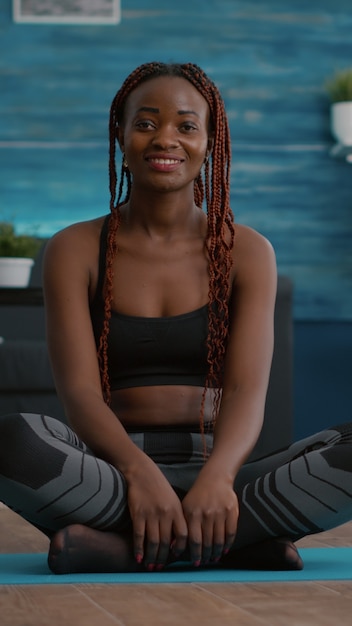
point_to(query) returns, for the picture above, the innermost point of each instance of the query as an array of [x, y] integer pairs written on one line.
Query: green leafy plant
[[13, 245], [339, 87]]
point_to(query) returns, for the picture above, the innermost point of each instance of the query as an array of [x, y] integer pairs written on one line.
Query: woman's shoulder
[[252, 252], [81, 238], [78, 233], [247, 236], [74, 251]]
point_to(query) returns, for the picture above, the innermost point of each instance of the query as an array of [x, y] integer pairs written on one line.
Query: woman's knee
[[28, 449], [17, 428], [12, 437], [11, 427], [20, 433], [344, 430]]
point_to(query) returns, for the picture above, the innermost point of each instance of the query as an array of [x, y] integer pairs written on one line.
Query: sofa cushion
[[24, 365]]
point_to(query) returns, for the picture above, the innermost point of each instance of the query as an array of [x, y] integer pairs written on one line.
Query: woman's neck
[[163, 215]]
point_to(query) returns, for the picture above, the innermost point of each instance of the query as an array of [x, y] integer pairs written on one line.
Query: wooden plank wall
[[270, 60]]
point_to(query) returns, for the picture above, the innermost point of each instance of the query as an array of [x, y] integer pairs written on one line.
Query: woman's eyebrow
[[155, 110], [188, 113], [148, 110]]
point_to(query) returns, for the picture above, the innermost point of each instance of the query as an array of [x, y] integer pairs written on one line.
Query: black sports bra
[[147, 351]]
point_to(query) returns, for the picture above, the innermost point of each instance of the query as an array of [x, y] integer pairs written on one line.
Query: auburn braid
[[213, 188]]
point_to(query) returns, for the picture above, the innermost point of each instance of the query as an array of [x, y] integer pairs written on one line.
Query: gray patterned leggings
[[49, 477]]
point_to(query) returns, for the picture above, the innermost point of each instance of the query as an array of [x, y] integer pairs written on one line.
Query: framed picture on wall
[[67, 11]]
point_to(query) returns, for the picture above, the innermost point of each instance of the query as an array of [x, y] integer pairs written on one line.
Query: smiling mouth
[[165, 161]]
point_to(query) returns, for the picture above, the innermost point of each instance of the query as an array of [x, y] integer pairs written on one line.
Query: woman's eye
[[144, 124], [188, 127]]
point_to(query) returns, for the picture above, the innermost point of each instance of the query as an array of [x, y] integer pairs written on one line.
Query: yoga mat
[[319, 564]]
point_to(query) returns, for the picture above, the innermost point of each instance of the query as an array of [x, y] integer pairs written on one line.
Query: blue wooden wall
[[270, 60]]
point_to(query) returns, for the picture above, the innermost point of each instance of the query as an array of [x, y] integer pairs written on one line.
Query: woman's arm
[[249, 352], [211, 507], [68, 276], [70, 269]]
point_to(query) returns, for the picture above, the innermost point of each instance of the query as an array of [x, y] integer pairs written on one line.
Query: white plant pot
[[341, 122], [15, 272]]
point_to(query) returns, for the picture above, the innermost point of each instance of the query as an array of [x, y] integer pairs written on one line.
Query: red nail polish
[[150, 567], [196, 563], [139, 558]]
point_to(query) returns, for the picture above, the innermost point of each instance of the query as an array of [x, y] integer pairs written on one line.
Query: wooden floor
[[237, 604]]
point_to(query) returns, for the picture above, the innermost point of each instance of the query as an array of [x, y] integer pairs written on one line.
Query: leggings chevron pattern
[[49, 477]]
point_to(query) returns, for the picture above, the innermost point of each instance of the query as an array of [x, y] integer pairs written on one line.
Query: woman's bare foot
[[80, 549], [273, 554]]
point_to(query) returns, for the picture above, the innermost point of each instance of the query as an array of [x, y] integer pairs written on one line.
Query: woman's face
[[165, 133]]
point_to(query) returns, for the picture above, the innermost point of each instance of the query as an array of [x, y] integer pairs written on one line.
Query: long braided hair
[[212, 187]]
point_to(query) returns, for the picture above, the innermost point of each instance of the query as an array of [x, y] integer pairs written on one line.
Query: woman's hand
[[211, 512], [157, 517]]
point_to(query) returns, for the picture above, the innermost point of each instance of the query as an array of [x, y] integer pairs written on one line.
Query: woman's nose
[[165, 137]]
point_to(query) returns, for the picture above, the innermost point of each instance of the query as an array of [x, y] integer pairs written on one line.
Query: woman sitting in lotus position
[[160, 331]]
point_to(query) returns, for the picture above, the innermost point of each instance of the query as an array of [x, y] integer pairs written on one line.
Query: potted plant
[[16, 256], [339, 88]]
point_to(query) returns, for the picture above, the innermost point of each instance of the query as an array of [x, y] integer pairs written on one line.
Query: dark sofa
[[26, 382]]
